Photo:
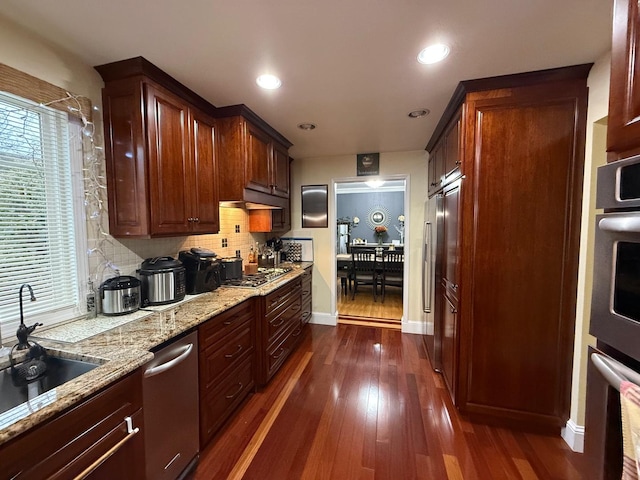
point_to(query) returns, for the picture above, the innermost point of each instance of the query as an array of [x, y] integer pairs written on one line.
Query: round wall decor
[[378, 215]]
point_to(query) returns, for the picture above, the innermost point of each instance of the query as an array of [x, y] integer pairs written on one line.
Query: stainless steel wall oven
[[615, 313]]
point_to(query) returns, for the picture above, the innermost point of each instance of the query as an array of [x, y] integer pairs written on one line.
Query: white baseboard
[[418, 328], [323, 319], [573, 435]]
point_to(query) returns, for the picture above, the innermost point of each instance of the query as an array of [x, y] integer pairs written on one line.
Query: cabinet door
[[451, 208], [280, 171], [258, 172], [204, 200], [125, 159], [436, 167], [449, 352], [452, 151], [623, 130], [169, 162]]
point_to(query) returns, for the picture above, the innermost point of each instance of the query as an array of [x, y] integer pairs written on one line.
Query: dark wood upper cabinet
[[444, 155], [254, 158], [623, 127], [162, 174], [512, 193]]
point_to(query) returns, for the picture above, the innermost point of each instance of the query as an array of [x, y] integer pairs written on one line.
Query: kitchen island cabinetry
[[623, 126], [162, 175], [254, 158], [510, 245], [227, 365], [91, 437]]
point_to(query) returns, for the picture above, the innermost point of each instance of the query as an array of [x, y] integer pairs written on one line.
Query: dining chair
[[392, 270], [364, 271]]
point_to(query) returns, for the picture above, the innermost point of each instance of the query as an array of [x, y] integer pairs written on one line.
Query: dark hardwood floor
[[358, 402]]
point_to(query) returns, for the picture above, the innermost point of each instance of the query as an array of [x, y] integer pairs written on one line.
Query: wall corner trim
[[573, 435], [323, 319], [415, 327]]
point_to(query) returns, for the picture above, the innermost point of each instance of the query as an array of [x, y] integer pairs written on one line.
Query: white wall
[[595, 155], [326, 170]]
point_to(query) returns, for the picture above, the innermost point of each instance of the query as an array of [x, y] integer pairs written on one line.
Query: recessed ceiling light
[[433, 54], [421, 112], [306, 126], [270, 82]]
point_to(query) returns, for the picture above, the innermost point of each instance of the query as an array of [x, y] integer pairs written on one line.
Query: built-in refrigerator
[[431, 272]]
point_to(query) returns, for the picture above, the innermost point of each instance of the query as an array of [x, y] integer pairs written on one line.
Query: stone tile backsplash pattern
[[127, 254]]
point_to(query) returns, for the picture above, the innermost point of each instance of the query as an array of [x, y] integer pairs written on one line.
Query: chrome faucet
[[24, 331]]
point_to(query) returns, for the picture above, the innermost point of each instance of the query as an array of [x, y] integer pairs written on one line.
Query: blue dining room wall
[[361, 204]]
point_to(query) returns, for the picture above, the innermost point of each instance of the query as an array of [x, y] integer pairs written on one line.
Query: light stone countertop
[[122, 349]]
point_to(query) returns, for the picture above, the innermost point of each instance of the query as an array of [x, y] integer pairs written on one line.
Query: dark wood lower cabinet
[[91, 437], [227, 365]]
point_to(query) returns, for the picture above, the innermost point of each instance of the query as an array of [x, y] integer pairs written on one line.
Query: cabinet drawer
[[217, 405], [280, 322], [305, 313], [221, 325], [276, 299], [71, 442], [306, 287], [277, 354], [218, 359]]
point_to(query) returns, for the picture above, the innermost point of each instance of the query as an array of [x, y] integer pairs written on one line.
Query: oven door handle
[[613, 371], [621, 224]]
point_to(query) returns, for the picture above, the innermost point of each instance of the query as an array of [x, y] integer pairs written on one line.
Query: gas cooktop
[[264, 275]]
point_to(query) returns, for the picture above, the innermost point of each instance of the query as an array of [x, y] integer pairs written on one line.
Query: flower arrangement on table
[[379, 231]]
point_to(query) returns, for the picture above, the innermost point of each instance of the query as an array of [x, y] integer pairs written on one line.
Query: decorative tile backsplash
[[127, 254]]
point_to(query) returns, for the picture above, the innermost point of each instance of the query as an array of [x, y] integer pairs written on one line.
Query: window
[[42, 232]]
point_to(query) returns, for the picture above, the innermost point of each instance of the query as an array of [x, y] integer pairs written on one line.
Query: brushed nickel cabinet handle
[[275, 357], [229, 397], [109, 453], [234, 354]]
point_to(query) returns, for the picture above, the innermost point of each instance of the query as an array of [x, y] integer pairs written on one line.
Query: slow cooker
[[120, 295], [231, 268], [163, 281]]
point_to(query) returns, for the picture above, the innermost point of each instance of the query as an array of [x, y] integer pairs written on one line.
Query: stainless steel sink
[[59, 371]]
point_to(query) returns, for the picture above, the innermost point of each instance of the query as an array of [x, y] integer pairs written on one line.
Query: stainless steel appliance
[[432, 269], [170, 407], [163, 281], [615, 313], [615, 317], [264, 275], [231, 268], [120, 295], [203, 270]]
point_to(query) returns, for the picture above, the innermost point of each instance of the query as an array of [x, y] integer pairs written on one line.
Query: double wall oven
[[615, 313]]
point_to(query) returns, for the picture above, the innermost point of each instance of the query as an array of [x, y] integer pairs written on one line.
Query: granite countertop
[[122, 344]]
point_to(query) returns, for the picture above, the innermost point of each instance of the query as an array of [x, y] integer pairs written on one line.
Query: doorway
[[370, 214]]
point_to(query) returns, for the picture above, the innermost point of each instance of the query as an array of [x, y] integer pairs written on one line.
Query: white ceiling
[[347, 65]]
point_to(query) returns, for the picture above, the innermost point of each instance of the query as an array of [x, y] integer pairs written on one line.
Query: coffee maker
[[202, 268]]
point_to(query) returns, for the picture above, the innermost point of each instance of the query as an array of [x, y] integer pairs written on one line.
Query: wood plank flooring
[[363, 403], [364, 306]]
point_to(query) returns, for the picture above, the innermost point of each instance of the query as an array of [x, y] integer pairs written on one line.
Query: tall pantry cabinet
[[509, 275]]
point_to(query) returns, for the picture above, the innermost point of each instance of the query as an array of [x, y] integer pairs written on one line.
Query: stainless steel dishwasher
[[170, 408]]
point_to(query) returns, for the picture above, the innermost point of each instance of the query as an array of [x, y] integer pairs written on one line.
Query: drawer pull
[[275, 357], [234, 354], [276, 325], [109, 453], [229, 397], [297, 332], [228, 322]]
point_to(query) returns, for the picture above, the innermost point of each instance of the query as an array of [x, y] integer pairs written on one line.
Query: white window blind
[[38, 243]]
